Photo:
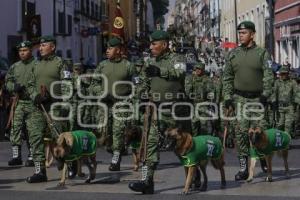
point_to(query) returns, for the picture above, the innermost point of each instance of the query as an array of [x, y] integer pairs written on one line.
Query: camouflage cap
[[159, 35], [199, 65], [246, 25], [113, 42], [24, 44], [139, 62], [47, 38], [284, 69]]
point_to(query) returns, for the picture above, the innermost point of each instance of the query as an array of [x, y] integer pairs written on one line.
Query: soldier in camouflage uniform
[[78, 87], [49, 69], [115, 68], [297, 106], [26, 114], [199, 88], [283, 99], [165, 80], [247, 79]]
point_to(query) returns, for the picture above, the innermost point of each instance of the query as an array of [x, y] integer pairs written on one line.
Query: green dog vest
[[85, 144], [204, 147]]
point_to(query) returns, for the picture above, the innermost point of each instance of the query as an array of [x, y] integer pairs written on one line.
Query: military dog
[[195, 152], [264, 144], [79, 146], [133, 137]]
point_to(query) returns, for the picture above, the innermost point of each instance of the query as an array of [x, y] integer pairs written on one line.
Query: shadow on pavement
[[8, 181], [4, 187], [10, 168], [168, 165]]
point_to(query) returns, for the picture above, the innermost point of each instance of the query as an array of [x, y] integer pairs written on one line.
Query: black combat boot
[[29, 162], [115, 162], [146, 185], [17, 158], [243, 173], [72, 169], [263, 165], [39, 174]]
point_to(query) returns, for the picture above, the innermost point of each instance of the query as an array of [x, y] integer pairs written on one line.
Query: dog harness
[[277, 140], [204, 147], [85, 144]]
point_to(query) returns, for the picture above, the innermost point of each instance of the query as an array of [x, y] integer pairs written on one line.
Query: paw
[[136, 168], [203, 188], [185, 192], [61, 184], [269, 179], [249, 179]]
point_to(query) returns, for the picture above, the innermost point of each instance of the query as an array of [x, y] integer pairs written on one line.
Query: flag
[[230, 45], [118, 26]]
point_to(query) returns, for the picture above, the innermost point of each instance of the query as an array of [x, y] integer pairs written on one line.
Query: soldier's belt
[[284, 104], [250, 95]]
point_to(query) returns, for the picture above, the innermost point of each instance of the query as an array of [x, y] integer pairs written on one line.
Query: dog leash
[[50, 121]]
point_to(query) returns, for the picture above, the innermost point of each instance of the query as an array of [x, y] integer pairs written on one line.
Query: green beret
[[199, 65], [77, 66], [24, 44], [139, 62], [159, 35], [246, 25], [113, 42], [284, 69], [47, 38]]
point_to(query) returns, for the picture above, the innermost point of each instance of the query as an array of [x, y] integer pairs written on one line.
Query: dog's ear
[[68, 138], [60, 140], [258, 130], [188, 143], [250, 131]]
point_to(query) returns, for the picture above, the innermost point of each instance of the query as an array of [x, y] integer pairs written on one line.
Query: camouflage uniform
[[164, 78], [199, 88], [117, 69], [26, 114], [49, 69], [247, 79], [284, 99]]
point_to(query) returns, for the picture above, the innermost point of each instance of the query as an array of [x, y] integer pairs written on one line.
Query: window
[[96, 11], [76, 2], [61, 23], [70, 24], [69, 53], [92, 9], [103, 8], [82, 6], [87, 7]]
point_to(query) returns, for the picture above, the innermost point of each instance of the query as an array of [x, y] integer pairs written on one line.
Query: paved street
[[169, 180]]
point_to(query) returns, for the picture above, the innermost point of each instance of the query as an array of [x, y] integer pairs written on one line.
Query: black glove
[[18, 88], [274, 106], [263, 100], [39, 99], [152, 71], [228, 103]]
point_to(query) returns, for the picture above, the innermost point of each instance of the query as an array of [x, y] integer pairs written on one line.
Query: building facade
[[287, 32], [235, 11], [74, 23]]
